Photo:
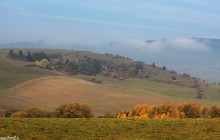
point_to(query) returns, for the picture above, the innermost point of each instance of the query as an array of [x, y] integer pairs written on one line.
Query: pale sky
[[95, 21]]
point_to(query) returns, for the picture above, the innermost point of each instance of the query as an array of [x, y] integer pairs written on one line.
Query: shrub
[[215, 112], [122, 114], [165, 111], [44, 64], [109, 115], [205, 112], [191, 110], [32, 113], [173, 78], [73, 111], [140, 111], [87, 111]]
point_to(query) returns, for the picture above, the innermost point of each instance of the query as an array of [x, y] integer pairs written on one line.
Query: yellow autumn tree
[[122, 114], [44, 63], [140, 111]]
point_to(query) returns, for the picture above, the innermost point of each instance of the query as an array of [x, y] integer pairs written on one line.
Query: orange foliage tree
[[32, 113], [183, 110]]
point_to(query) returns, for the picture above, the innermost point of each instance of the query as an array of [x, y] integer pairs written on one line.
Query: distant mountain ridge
[[18, 45]]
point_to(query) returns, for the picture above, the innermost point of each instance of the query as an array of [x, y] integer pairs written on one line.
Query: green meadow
[[110, 129]]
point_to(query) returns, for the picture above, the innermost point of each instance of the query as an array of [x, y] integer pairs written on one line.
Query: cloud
[[141, 45], [160, 45], [185, 43]]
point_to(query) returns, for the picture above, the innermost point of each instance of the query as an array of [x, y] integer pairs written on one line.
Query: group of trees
[[75, 110], [108, 67], [40, 58], [37, 56], [86, 66], [184, 110], [18, 55]]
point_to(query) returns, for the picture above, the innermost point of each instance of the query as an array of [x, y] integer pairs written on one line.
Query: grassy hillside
[[112, 95], [13, 72], [117, 129], [24, 87]]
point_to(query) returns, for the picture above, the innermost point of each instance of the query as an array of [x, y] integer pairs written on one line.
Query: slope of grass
[[13, 72], [113, 95], [166, 92], [119, 129]]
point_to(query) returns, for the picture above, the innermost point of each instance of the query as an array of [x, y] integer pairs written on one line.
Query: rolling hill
[[196, 56], [24, 87]]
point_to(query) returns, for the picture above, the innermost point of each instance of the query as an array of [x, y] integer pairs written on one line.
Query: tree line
[[87, 66], [37, 56]]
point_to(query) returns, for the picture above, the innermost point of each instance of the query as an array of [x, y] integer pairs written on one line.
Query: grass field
[[110, 129]]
